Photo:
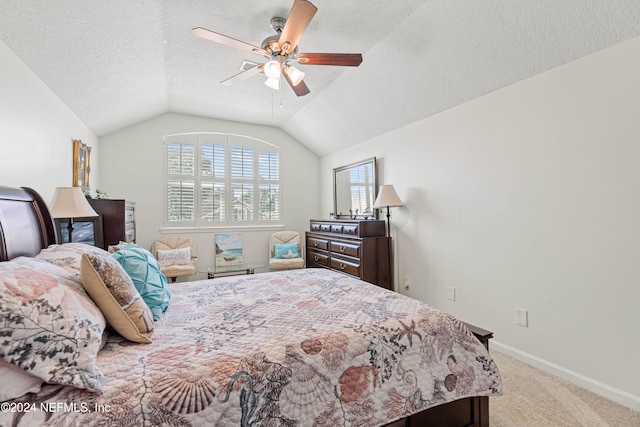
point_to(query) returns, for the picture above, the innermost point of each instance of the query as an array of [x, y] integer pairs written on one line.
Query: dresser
[[356, 247], [118, 220]]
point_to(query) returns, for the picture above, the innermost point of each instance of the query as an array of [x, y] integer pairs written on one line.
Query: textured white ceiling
[[118, 62]]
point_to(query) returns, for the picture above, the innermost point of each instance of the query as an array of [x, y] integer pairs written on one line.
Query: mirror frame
[[359, 215]]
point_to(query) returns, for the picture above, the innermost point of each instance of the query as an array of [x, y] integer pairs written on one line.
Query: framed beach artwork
[[228, 249]]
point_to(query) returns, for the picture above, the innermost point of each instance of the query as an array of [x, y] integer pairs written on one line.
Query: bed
[[306, 347]]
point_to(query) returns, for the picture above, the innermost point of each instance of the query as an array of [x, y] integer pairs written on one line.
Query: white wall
[[528, 197], [36, 131], [132, 168]]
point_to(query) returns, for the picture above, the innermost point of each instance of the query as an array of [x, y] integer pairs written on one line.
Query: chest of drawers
[[356, 247], [118, 220]]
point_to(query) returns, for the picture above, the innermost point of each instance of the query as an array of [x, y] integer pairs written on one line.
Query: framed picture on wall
[[85, 230], [81, 164], [228, 248]]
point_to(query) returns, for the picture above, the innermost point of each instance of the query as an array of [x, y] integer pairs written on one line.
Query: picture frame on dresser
[[85, 230]]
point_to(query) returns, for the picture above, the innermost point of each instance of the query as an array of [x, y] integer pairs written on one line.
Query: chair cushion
[[147, 277], [286, 250], [286, 263], [179, 270]]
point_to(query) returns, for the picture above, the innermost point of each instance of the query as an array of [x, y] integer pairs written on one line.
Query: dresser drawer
[[314, 242], [351, 230], [345, 266], [336, 228], [129, 215], [343, 248], [130, 235], [318, 258]]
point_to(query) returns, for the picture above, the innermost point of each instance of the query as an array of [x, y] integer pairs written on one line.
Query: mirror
[[354, 190]]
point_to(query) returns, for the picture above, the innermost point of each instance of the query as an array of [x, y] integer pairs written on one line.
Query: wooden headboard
[[26, 225]]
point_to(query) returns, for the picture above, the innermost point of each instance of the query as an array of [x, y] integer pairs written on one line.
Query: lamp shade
[[272, 69], [69, 202], [294, 74], [387, 197]]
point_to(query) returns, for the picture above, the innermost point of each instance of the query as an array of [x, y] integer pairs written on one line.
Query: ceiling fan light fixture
[[280, 48], [273, 83], [294, 74], [272, 69]]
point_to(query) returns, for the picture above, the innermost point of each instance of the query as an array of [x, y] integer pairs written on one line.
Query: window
[[221, 180]]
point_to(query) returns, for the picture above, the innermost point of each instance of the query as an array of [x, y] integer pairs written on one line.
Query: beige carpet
[[533, 398]]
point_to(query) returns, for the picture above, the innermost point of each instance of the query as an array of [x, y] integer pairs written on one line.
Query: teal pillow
[[144, 271], [287, 250]]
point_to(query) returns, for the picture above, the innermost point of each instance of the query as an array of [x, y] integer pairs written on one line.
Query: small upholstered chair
[[177, 256], [285, 250]]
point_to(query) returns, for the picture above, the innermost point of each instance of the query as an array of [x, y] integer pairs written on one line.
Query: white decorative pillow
[[170, 257], [16, 382], [114, 292], [49, 326]]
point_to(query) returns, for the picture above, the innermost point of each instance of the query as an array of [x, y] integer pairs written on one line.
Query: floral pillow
[[68, 255], [49, 326], [113, 291]]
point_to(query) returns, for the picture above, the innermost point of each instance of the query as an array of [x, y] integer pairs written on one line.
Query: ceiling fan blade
[[341, 59], [225, 40], [300, 89], [302, 11], [243, 75]]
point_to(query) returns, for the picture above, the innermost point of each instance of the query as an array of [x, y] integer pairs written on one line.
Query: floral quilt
[[307, 347]]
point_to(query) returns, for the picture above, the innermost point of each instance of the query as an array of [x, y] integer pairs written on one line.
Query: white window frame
[[256, 182]]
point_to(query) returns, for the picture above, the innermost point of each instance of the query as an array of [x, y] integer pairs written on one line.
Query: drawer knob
[[342, 248], [315, 243], [317, 258], [342, 266]]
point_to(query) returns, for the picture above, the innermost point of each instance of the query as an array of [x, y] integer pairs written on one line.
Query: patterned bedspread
[[307, 347]]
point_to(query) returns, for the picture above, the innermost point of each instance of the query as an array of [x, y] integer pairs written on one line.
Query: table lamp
[[70, 202]]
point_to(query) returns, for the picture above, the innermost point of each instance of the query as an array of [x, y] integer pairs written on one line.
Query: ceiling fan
[[281, 50]]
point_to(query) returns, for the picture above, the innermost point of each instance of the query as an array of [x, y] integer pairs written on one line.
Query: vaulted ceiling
[[118, 62]]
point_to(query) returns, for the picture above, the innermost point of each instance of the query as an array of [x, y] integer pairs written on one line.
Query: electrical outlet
[[452, 293], [522, 317], [407, 283]]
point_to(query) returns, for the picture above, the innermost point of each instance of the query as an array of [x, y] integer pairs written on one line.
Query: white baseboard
[[604, 390]]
